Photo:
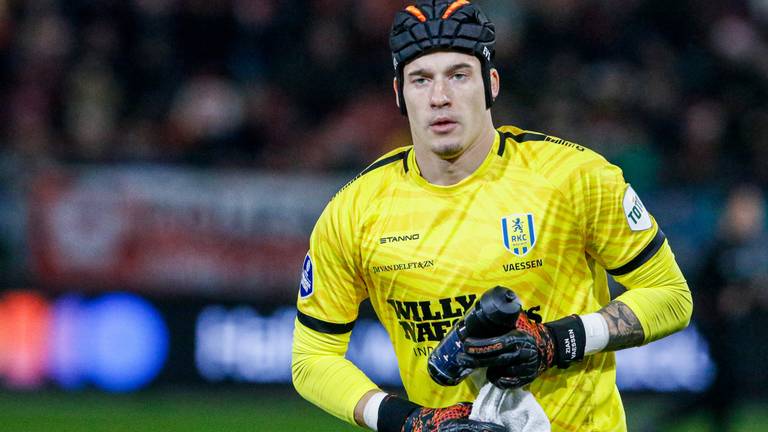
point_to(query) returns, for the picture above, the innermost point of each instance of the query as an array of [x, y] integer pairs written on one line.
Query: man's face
[[445, 99]]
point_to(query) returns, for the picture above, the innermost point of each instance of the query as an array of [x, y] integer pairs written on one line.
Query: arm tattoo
[[624, 328]]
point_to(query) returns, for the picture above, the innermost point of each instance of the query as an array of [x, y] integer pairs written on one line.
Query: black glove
[[400, 415], [467, 425], [516, 358], [454, 418]]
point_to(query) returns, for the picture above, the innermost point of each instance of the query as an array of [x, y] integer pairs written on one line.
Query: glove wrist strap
[[393, 413], [569, 338]]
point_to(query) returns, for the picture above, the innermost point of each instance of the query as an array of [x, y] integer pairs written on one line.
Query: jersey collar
[[466, 184]]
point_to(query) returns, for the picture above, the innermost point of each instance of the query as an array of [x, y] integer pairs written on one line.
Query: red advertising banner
[[177, 230]]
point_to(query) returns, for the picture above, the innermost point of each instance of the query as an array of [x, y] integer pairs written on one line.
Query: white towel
[[515, 409]]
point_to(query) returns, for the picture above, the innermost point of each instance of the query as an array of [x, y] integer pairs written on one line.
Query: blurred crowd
[[676, 91]]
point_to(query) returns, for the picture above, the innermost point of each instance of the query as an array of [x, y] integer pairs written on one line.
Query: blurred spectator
[[360, 132], [704, 127], [731, 296], [206, 121], [91, 113], [257, 82]]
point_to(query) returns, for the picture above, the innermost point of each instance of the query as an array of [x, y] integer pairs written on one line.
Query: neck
[[446, 172]]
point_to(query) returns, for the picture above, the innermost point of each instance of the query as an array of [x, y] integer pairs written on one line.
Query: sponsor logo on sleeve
[[306, 287], [635, 212]]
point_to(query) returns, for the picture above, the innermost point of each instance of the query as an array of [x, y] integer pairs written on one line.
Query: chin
[[449, 149]]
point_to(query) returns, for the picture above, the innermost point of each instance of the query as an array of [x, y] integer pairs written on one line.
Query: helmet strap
[[400, 97], [485, 68]]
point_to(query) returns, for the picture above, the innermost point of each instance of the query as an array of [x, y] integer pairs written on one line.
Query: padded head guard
[[432, 25]]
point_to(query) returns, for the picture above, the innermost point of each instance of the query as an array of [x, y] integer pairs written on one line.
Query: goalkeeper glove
[[400, 415], [516, 358]]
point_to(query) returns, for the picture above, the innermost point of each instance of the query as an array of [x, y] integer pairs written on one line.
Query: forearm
[[360, 407], [624, 329], [323, 376], [657, 302]]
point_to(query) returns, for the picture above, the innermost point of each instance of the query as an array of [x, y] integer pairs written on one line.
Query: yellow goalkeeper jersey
[[543, 216]]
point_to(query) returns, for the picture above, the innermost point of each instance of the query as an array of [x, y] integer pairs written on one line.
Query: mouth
[[443, 125]]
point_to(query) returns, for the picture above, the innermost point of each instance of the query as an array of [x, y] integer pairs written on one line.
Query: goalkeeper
[[427, 228]]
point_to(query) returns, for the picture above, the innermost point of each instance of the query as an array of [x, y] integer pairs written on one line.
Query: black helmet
[[442, 24]]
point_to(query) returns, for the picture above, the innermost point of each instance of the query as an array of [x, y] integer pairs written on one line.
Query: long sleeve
[[323, 376], [658, 295]]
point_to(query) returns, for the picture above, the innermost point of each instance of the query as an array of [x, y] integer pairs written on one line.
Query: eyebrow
[[451, 69]]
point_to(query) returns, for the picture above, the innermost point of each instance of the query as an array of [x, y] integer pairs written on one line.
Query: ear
[[495, 83], [394, 87]]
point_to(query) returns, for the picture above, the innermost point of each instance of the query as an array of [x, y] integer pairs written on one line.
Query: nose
[[440, 96]]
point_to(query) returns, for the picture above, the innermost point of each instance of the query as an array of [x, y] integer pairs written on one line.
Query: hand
[[516, 358], [454, 418]]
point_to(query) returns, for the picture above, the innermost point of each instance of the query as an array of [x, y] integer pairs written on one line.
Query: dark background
[[180, 151]]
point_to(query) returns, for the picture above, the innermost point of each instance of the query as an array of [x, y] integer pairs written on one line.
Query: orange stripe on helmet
[[452, 8], [413, 10]]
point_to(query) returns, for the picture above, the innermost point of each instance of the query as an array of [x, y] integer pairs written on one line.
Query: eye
[[460, 76], [419, 81]]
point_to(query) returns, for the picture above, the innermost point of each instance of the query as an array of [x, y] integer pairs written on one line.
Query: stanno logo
[[399, 238], [563, 142]]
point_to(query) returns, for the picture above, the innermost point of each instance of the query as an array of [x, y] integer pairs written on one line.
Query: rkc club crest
[[519, 233]]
